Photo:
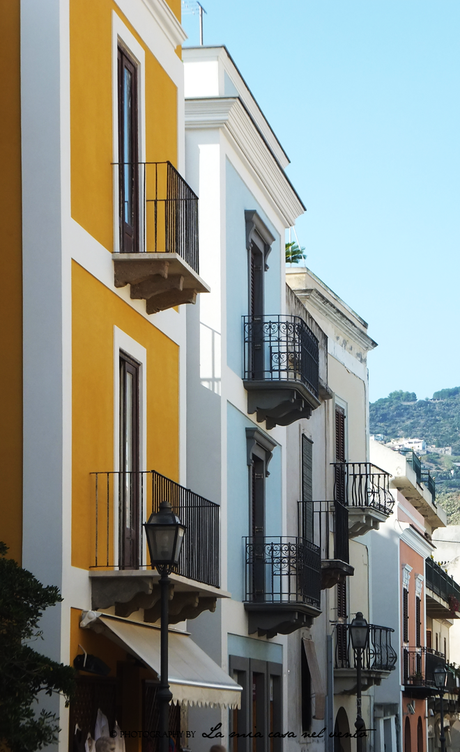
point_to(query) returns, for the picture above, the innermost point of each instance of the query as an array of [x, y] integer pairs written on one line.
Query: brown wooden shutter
[[405, 615], [418, 622], [342, 632], [339, 434], [307, 489]]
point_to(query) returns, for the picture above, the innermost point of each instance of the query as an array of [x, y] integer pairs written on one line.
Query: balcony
[[121, 575], [378, 659], [442, 593], [418, 672], [281, 368], [365, 489], [330, 522], [282, 584], [415, 483], [159, 260]]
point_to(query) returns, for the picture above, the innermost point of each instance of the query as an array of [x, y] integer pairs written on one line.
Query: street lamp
[[359, 633], [165, 534], [440, 680]]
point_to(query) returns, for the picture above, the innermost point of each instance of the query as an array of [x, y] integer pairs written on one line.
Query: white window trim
[[406, 576], [339, 402], [121, 36], [419, 578], [122, 342]]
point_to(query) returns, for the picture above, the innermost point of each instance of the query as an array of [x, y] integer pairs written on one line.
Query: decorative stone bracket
[[163, 280]]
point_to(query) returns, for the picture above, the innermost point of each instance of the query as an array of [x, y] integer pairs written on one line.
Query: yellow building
[[101, 253]]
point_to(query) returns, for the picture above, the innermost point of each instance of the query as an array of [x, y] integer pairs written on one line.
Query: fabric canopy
[[317, 684], [194, 678]]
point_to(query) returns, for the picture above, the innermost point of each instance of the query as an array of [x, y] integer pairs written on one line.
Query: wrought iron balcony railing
[[415, 463], [282, 570], [419, 665], [442, 584], [166, 211], [199, 559], [429, 482], [378, 656], [361, 484], [325, 522], [280, 348]]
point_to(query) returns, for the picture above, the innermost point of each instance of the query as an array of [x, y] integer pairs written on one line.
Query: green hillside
[[437, 421]]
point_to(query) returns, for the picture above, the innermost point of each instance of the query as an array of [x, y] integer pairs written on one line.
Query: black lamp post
[[440, 680], [165, 534], [359, 633]]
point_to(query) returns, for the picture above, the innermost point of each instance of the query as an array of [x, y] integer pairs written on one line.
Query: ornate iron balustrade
[[280, 348], [378, 656], [442, 583], [167, 215], [419, 665], [282, 570], [414, 461], [329, 523], [362, 484], [199, 559]]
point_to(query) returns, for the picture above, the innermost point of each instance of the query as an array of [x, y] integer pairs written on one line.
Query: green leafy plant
[[25, 673], [294, 253]]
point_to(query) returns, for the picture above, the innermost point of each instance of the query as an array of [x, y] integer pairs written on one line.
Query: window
[[259, 453], [129, 480], [405, 615], [342, 632], [340, 456], [128, 153], [307, 530], [258, 242], [418, 622]]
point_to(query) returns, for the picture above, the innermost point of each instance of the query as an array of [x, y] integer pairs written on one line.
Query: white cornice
[[166, 19], [333, 313], [415, 541], [222, 57], [230, 114]]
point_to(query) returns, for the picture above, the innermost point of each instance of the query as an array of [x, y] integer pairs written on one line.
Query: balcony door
[[128, 157], [129, 480], [307, 529], [258, 526], [259, 453]]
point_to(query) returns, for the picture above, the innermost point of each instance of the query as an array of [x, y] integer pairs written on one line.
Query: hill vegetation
[[436, 421]]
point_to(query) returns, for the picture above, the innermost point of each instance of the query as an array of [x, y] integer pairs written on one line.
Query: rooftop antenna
[[201, 9], [193, 8]]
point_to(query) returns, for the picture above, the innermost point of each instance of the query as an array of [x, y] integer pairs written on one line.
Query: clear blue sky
[[364, 97]]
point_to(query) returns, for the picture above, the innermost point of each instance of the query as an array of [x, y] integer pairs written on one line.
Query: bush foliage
[[25, 673]]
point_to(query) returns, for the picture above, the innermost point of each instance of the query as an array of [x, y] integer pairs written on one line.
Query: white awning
[[317, 684], [194, 678]]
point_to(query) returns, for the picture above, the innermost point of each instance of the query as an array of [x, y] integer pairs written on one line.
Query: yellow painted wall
[[91, 113], [11, 297], [95, 312], [175, 6]]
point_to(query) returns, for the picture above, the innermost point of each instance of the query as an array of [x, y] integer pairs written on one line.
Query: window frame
[[124, 39], [128, 140], [122, 342]]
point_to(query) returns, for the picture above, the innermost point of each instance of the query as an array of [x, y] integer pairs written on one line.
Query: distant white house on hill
[[417, 445], [447, 450]]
